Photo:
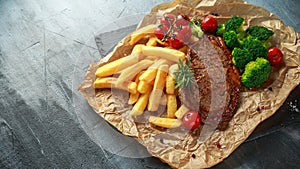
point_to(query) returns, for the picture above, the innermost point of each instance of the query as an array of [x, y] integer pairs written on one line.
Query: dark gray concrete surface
[[42, 44]]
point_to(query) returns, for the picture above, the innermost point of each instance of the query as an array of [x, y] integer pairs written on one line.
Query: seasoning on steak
[[216, 93]]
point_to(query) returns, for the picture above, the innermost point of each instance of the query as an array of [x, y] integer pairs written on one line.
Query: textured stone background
[[40, 44]]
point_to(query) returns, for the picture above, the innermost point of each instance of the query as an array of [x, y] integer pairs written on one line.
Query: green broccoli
[[267, 44], [259, 32], [255, 47], [236, 24], [231, 39], [240, 57], [220, 30], [242, 35], [196, 29], [256, 72]]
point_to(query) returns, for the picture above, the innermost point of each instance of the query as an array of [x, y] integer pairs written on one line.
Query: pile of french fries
[[148, 75]]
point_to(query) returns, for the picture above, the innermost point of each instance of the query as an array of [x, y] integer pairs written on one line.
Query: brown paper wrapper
[[178, 147]]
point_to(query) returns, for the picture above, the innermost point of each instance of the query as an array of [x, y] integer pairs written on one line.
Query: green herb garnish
[[184, 75]]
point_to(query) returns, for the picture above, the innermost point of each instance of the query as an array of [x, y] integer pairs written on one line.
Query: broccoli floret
[[220, 30], [256, 72], [259, 32], [240, 57], [231, 39], [255, 47], [196, 29], [241, 37], [267, 44], [236, 24]]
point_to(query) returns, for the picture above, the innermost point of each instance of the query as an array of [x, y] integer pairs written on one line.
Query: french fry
[[134, 97], [132, 87], [129, 73], [120, 64], [152, 41], [173, 68], [165, 53], [140, 105], [158, 87], [170, 85], [137, 49], [140, 33], [165, 122], [171, 105], [110, 82], [161, 42], [150, 73], [143, 87], [181, 111]]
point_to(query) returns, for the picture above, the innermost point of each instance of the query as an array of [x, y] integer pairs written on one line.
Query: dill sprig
[[184, 75]]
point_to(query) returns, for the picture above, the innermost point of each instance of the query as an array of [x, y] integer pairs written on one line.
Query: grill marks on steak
[[216, 95]]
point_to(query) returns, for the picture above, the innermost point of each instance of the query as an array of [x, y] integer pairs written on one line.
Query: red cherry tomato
[[160, 31], [182, 20], [186, 32], [191, 120], [184, 16], [167, 19], [275, 56], [175, 42], [209, 24]]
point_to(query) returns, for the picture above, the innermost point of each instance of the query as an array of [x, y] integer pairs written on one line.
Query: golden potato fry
[[165, 53], [144, 87], [152, 41], [161, 42], [140, 33], [106, 82], [173, 68], [133, 58], [110, 82], [137, 80], [150, 73], [181, 111], [170, 85], [132, 87], [160, 78], [137, 49], [159, 84], [118, 65], [129, 73], [133, 98], [165, 122], [111, 67], [171, 105], [140, 105]]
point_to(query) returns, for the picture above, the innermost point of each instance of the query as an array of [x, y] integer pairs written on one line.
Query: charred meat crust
[[217, 93]]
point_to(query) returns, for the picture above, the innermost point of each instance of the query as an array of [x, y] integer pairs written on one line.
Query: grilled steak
[[215, 95]]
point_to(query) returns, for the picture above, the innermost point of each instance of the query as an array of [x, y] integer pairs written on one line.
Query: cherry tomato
[[275, 56], [191, 120], [167, 19], [160, 31], [175, 42], [184, 16], [186, 32], [182, 21], [209, 24]]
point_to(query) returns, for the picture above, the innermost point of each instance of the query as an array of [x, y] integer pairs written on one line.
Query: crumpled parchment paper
[[178, 147]]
